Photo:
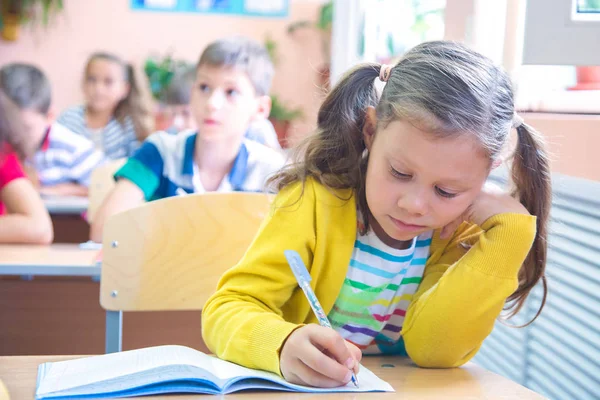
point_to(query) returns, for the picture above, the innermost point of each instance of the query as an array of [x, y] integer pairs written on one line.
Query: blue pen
[[303, 277]]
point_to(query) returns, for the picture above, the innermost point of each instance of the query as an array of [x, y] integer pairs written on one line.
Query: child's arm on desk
[[124, 196], [26, 219], [64, 189]]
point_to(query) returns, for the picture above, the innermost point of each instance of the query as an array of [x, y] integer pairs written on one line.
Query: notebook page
[[227, 371], [64, 375], [368, 382]]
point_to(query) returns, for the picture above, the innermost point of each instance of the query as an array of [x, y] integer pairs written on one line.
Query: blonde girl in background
[[114, 116]]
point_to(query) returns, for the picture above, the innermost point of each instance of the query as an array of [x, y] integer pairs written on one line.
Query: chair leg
[[114, 331]]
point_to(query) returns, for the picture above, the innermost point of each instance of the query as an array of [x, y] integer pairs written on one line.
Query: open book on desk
[[168, 369]]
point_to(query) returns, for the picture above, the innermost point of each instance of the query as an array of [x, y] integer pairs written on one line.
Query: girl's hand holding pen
[[314, 355]]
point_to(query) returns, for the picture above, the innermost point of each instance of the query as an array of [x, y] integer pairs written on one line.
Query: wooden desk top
[[19, 374], [57, 259]]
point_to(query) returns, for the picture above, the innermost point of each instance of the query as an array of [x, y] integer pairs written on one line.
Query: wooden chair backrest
[[169, 254]]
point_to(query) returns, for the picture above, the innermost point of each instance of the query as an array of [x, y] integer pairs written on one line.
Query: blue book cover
[[168, 369]]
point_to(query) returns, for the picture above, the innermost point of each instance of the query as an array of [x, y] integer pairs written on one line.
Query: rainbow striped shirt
[[379, 286]]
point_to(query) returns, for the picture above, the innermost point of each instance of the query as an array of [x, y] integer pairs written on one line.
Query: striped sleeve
[[69, 157], [83, 164], [119, 139], [132, 138], [73, 118]]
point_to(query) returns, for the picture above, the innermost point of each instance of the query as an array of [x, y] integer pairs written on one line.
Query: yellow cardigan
[[258, 302]]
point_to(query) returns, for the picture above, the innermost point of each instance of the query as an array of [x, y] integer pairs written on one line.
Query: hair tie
[[385, 72], [517, 121]]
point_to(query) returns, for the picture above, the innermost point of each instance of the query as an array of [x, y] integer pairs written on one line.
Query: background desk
[[57, 311], [66, 205], [469, 382], [66, 213], [58, 259]]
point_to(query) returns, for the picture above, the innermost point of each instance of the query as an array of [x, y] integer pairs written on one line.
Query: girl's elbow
[[435, 362], [425, 356], [42, 231], [208, 333], [46, 237], [38, 235], [43, 234]]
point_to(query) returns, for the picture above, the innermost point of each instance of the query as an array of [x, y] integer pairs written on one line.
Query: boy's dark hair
[[26, 86], [179, 90], [245, 54]]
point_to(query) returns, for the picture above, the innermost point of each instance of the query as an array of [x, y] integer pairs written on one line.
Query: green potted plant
[[323, 26], [160, 71], [15, 13], [281, 117], [271, 46]]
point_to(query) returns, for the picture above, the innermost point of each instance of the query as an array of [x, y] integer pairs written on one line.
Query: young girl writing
[[114, 116], [408, 252], [23, 216]]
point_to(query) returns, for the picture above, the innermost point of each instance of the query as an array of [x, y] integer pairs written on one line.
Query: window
[[543, 44], [391, 27], [586, 10], [381, 30], [562, 32], [559, 57]]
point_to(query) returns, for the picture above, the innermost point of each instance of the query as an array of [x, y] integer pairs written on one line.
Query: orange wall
[[90, 25], [573, 141]]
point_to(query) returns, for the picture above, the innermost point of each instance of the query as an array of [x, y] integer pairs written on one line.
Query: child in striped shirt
[[114, 116], [23, 216], [63, 161], [409, 252]]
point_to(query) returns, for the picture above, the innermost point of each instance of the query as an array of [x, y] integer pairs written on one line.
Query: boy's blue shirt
[[164, 166]]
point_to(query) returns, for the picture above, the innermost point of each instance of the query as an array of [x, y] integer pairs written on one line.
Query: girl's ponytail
[[333, 154], [531, 176], [133, 106]]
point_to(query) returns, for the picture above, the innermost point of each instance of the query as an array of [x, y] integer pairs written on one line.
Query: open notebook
[[168, 369]]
